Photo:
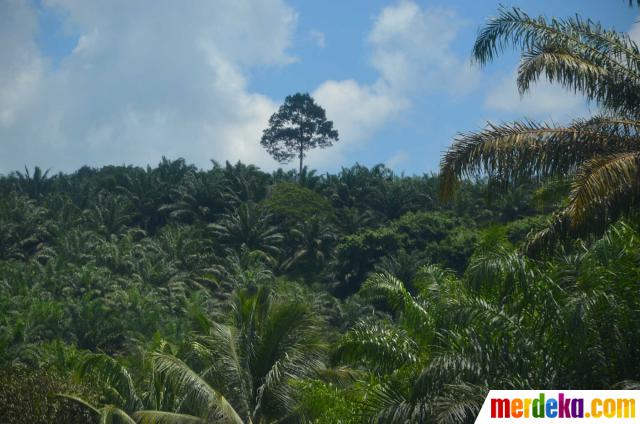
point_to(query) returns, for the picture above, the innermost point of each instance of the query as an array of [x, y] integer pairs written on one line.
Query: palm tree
[[238, 371], [248, 226], [351, 186], [25, 227], [308, 178], [242, 270], [171, 172], [391, 198], [146, 192], [351, 220], [34, 185], [249, 360], [600, 156], [507, 318], [197, 198], [314, 240], [244, 183], [110, 214]]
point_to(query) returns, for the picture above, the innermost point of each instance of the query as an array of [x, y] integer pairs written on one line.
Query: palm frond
[[386, 286], [78, 400], [459, 403], [521, 150], [382, 347], [220, 349], [111, 414], [389, 403], [499, 268], [560, 65], [557, 228], [112, 373], [108, 414], [515, 28], [605, 189], [204, 396], [288, 348], [161, 417], [340, 375], [600, 181]]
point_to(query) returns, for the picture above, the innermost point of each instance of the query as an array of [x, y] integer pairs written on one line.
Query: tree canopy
[[298, 126]]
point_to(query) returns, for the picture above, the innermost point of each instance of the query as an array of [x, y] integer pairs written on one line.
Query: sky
[[99, 82]]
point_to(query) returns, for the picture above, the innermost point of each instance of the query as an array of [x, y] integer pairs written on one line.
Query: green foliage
[[442, 238], [297, 203], [359, 252], [240, 369], [24, 227], [517, 231], [434, 237], [172, 294], [248, 227], [29, 397], [325, 403], [505, 302]]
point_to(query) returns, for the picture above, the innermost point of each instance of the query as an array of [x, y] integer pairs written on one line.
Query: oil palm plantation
[[600, 156]]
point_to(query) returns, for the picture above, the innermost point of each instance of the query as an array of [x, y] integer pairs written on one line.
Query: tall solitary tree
[[299, 125]]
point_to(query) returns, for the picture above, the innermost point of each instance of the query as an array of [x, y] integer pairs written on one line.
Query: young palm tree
[[250, 360], [237, 371], [600, 155]]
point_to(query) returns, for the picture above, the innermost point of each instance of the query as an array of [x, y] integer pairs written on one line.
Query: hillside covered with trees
[[268, 296], [173, 294]]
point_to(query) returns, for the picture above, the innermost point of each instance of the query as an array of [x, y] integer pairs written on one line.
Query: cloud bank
[[145, 79]]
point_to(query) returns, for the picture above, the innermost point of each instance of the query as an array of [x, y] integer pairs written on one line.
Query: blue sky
[[126, 82]]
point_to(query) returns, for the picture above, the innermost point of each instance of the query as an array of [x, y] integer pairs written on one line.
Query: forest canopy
[[346, 293]]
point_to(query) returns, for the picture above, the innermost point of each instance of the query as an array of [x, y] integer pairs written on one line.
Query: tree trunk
[[301, 155]]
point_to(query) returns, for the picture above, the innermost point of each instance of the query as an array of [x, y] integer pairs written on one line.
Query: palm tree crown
[[600, 156]]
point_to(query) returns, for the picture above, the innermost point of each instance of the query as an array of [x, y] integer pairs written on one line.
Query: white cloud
[[413, 49], [544, 100], [412, 52], [318, 37], [145, 79], [357, 111], [634, 31], [23, 67]]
